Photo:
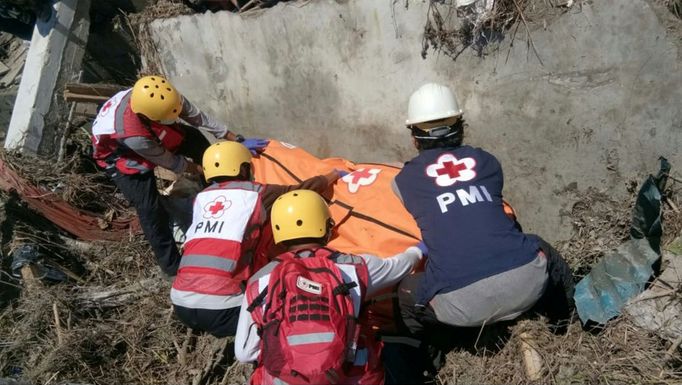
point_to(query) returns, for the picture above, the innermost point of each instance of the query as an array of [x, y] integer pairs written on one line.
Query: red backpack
[[309, 329]]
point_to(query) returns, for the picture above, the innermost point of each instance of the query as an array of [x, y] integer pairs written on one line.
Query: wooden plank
[[532, 361], [12, 74], [95, 297], [88, 110], [3, 68], [29, 273], [18, 54], [107, 90], [73, 97]]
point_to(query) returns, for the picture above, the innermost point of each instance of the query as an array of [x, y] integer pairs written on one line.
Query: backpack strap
[[258, 300], [261, 296], [344, 288]]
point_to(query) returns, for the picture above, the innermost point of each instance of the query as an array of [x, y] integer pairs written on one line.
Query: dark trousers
[[408, 356], [140, 190], [153, 211], [557, 302], [219, 323]]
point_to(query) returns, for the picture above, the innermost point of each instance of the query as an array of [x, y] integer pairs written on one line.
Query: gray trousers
[[500, 297]]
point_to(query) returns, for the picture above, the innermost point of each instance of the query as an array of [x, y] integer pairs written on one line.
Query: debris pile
[[12, 57], [455, 25], [13, 52]]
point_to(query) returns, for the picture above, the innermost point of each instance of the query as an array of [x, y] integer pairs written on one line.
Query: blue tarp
[[619, 276], [623, 274]]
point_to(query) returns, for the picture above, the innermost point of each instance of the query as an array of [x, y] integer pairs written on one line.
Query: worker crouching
[[481, 268], [302, 320], [141, 128], [229, 239]]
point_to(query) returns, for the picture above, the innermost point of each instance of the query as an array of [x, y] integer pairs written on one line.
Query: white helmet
[[432, 102]]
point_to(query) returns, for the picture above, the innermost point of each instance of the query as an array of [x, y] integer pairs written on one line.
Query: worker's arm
[[155, 153], [195, 117], [387, 272], [246, 341], [318, 184]]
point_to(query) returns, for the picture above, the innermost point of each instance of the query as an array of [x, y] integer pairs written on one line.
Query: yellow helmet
[[155, 98], [224, 159], [299, 214]]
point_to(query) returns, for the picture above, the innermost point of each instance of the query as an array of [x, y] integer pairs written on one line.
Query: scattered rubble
[[659, 309], [13, 55]]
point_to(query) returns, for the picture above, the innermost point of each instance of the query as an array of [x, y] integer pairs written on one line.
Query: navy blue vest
[[455, 195]]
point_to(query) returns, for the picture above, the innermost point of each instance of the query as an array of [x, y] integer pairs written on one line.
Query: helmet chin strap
[[437, 133]]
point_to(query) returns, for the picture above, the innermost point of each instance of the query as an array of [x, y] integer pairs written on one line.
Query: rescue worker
[[306, 297], [229, 238], [481, 268], [138, 129]]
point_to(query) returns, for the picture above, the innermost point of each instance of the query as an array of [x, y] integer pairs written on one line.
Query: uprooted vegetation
[[451, 29]]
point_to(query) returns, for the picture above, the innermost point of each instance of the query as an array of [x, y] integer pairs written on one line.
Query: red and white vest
[[366, 368], [227, 242], [116, 121]]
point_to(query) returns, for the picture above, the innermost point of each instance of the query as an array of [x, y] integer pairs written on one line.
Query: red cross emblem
[[447, 170], [361, 177], [105, 107], [217, 207], [451, 169]]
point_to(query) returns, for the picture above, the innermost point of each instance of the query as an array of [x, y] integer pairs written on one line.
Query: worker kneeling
[[228, 240], [481, 268], [302, 316]]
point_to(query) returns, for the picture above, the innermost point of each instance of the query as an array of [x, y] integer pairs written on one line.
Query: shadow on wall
[[111, 48], [228, 5]]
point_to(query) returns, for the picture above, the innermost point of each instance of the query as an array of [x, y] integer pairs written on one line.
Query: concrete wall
[[334, 77], [54, 58]]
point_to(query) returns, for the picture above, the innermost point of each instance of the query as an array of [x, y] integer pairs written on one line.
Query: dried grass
[[143, 343], [674, 6], [138, 24], [139, 343], [600, 224], [621, 354], [76, 179], [451, 30]]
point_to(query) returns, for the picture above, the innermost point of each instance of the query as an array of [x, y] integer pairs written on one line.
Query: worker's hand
[[422, 246], [255, 145], [194, 168], [341, 173]]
